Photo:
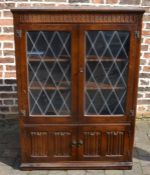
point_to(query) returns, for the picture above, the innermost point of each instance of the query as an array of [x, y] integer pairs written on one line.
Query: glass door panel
[[106, 65], [49, 72]]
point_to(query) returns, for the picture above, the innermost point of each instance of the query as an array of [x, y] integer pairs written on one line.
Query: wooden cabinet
[[77, 72]]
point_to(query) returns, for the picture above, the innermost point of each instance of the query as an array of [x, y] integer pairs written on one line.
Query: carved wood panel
[[39, 144], [91, 144], [54, 144], [115, 143], [62, 144], [104, 142]]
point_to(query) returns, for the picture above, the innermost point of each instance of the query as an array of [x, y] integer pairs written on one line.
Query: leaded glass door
[[51, 85], [104, 82]]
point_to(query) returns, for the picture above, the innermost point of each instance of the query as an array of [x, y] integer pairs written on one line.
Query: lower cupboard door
[[45, 144], [105, 143]]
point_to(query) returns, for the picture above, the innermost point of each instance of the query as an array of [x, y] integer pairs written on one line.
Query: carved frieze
[[76, 18]]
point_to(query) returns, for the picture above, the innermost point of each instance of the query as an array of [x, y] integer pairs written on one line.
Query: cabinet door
[[48, 143], [104, 142], [106, 72], [49, 72]]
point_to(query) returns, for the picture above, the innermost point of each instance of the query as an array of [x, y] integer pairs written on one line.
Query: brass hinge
[[137, 34], [18, 33], [22, 113], [132, 113]]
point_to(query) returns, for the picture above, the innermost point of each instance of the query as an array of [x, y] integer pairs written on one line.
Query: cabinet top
[[93, 9]]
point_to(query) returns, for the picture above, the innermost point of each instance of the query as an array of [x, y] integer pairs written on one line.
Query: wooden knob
[[74, 143], [80, 142]]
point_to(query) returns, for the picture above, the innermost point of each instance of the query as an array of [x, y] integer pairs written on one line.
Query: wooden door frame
[[22, 72], [130, 86]]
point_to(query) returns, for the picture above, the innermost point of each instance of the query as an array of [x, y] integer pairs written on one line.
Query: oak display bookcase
[[77, 74]]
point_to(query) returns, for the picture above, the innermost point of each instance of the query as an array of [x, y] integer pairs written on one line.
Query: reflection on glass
[[106, 72], [49, 72]]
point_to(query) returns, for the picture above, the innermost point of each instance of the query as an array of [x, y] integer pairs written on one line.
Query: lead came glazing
[[106, 72], [49, 70]]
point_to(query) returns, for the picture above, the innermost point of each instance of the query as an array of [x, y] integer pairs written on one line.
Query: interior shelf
[[37, 86], [94, 86], [64, 86], [48, 59], [95, 58]]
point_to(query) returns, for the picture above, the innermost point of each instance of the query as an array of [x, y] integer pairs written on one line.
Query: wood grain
[[77, 141]]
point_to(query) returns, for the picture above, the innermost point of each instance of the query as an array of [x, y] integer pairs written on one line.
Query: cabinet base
[[77, 165]]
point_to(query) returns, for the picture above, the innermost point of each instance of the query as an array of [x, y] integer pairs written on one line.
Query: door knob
[[80, 142], [74, 143]]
